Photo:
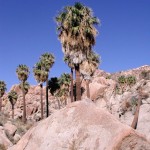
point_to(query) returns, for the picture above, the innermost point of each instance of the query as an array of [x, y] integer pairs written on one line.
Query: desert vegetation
[[116, 93]]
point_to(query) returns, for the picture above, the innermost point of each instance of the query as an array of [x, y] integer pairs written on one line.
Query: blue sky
[[28, 29]]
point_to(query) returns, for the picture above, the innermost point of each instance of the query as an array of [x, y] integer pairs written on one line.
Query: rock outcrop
[[81, 126], [4, 139]]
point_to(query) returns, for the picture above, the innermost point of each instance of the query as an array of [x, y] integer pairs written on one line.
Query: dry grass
[[3, 118], [2, 147], [21, 127]]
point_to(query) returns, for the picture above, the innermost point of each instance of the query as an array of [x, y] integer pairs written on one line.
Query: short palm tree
[[88, 67], [64, 82], [47, 61], [12, 96], [23, 74], [71, 65], [77, 34], [2, 91], [41, 76], [54, 87]]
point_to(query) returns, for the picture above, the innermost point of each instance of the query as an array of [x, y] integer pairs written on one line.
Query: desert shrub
[[131, 80], [2, 147], [108, 77], [134, 101], [21, 127], [117, 89]]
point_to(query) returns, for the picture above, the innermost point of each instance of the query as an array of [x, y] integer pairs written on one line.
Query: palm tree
[[88, 67], [71, 65], [2, 91], [23, 74], [12, 96], [41, 76], [26, 87], [64, 82], [77, 34], [54, 87], [47, 61]]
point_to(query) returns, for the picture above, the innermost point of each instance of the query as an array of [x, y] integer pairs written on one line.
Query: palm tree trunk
[[71, 76], [136, 116], [12, 111], [87, 89], [78, 84], [24, 119], [41, 85], [47, 108], [0, 104]]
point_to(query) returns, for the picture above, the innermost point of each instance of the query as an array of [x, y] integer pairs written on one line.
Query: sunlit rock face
[[81, 125]]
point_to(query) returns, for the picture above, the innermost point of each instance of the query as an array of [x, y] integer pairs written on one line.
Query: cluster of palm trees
[[77, 34]]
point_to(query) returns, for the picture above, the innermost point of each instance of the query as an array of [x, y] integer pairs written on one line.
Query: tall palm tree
[[2, 91], [47, 61], [77, 34], [71, 65], [41, 76], [12, 96], [23, 74], [88, 67]]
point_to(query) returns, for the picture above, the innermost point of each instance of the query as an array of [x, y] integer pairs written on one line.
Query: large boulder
[[81, 126]]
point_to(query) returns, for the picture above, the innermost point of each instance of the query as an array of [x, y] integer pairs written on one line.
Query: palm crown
[[12, 96], [22, 72], [89, 66], [40, 74], [76, 31], [26, 87], [47, 61]]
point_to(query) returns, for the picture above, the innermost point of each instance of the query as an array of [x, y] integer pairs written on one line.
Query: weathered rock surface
[[81, 126], [10, 129], [3, 138]]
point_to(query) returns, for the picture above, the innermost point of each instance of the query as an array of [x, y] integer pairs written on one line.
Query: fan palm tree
[[54, 87], [23, 74], [12, 96], [64, 82], [77, 34], [26, 87], [2, 91], [41, 76], [47, 61], [88, 67], [70, 64]]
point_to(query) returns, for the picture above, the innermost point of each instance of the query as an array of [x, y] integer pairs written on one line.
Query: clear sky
[[28, 29]]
